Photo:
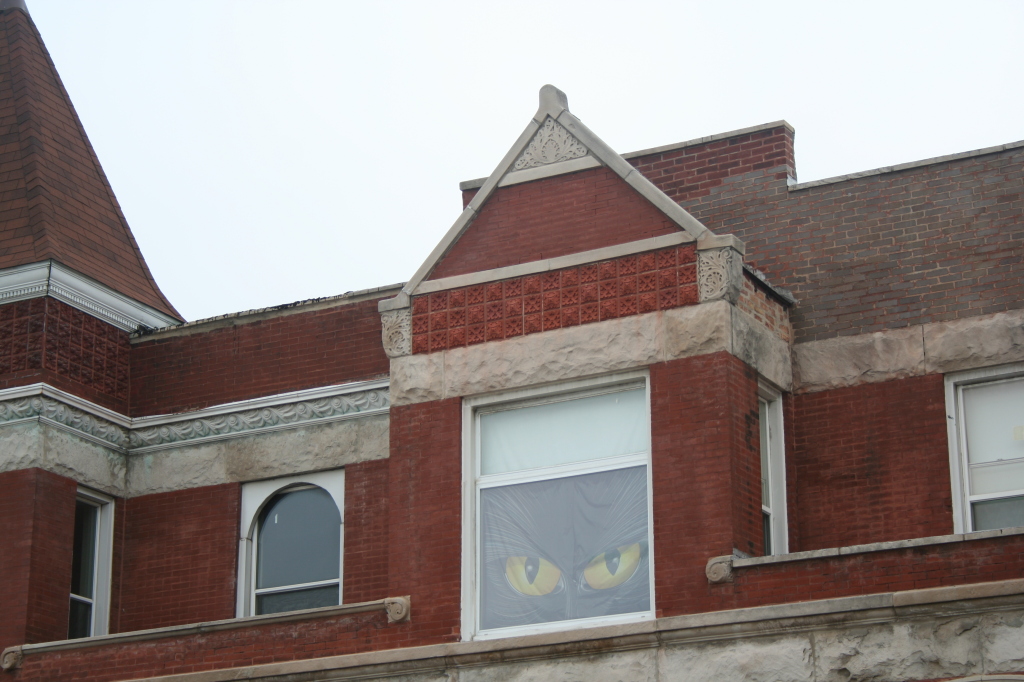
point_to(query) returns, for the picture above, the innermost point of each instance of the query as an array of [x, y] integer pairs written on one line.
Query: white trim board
[[50, 278], [554, 105]]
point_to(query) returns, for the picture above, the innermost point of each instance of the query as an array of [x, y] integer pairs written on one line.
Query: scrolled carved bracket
[[11, 658], [551, 144], [719, 569], [396, 332], [398, 608], [719, 275]]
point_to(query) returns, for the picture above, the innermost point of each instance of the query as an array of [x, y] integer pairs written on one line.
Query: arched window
[[291, 554]]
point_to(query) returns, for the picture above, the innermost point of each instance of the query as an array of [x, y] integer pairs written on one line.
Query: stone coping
[[397, 608], [246, 316], [796, 187], [730, 625], [875, 547]]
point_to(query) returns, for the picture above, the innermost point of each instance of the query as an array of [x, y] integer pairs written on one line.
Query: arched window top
[[291, 538]]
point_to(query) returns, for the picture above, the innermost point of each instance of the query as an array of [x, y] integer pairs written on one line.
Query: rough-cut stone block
[[767, 659], [756, 345], [852, 360], [974, 342], [417, 378]]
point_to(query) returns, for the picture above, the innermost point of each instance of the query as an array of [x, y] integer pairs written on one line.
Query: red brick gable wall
[[287, 353], [46, 340], [871, 464], [37, 509], [927, 244], [180, 556], [630, 285], [553, 217]]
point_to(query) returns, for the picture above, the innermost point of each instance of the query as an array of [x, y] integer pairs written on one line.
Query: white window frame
[[472, 408], [777, 467], [104, 549], [963, 521], [255, 497]]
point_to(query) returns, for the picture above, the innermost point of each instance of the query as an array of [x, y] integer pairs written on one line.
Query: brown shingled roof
[[55, 201]]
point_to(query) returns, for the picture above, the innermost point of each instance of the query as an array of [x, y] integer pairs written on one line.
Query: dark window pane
[[567, 548], [293, 601], [83, 561], [80, 619], [299, 539], [767, 521], [994, 514]]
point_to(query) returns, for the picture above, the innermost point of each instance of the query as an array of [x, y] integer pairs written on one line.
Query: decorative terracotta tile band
[[630, 285]]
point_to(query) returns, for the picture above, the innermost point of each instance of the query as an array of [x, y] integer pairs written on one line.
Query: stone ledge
[[397, 608], [874, 547], [728, 627]]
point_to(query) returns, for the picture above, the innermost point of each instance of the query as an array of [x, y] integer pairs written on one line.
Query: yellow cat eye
[[614, 567], [532, 576]]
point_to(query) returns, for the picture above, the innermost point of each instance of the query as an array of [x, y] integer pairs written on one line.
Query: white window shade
[[566, 432], [992, 412]]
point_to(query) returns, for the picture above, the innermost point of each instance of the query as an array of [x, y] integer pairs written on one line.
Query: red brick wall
[[656, 280], [180, 558], [869, 464], [553, 217], [706, 466], [38, 512], [286, 353], [928, 244], [46, 340], [765, 308], [425, 529], [366, 532]]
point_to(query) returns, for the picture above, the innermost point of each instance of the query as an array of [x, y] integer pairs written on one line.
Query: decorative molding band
[[551, 144], [148, 434], [396, 332], [50, 278]]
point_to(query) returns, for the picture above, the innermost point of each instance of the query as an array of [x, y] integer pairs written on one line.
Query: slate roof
[[55, 201]]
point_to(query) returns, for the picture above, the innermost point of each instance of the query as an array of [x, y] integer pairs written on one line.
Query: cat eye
[[532, 576], [614, 567]]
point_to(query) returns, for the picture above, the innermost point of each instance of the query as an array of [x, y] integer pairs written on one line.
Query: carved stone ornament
[[198, 429], [398, 609], [719, 569], [71, 418], [396, 332], [719, 274], [12, 658], [551, 144]]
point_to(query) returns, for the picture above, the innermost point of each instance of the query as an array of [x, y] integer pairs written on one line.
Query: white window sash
[[777, 507], [104, 555], [959, 467]]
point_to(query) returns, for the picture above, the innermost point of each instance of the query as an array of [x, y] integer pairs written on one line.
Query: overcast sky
[[267, 152]]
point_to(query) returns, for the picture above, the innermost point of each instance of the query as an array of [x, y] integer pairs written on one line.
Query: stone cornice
[[43, 403], [50, 278]]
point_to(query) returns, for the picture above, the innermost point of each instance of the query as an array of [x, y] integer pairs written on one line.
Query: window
[[557, 510], [90, 565], [290, 553], [773, 472], [985, 410]]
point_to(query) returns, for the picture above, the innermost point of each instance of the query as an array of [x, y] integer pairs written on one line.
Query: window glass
[[1004, 513], [563, 544], [83, 570], [564, 432], [573, 547], [298, 543], [991, 412]]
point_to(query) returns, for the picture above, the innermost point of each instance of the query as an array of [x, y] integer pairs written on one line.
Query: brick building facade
[[655, 416]]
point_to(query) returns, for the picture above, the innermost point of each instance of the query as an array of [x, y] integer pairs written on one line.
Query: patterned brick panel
[[180, 553], [553, 217], [43, 339], [870, 463], [927, 244], [656, 280], [37, 509], [289, 352]]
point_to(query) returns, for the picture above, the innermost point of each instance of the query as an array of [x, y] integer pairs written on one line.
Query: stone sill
[[397, 608], [876, 547]]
